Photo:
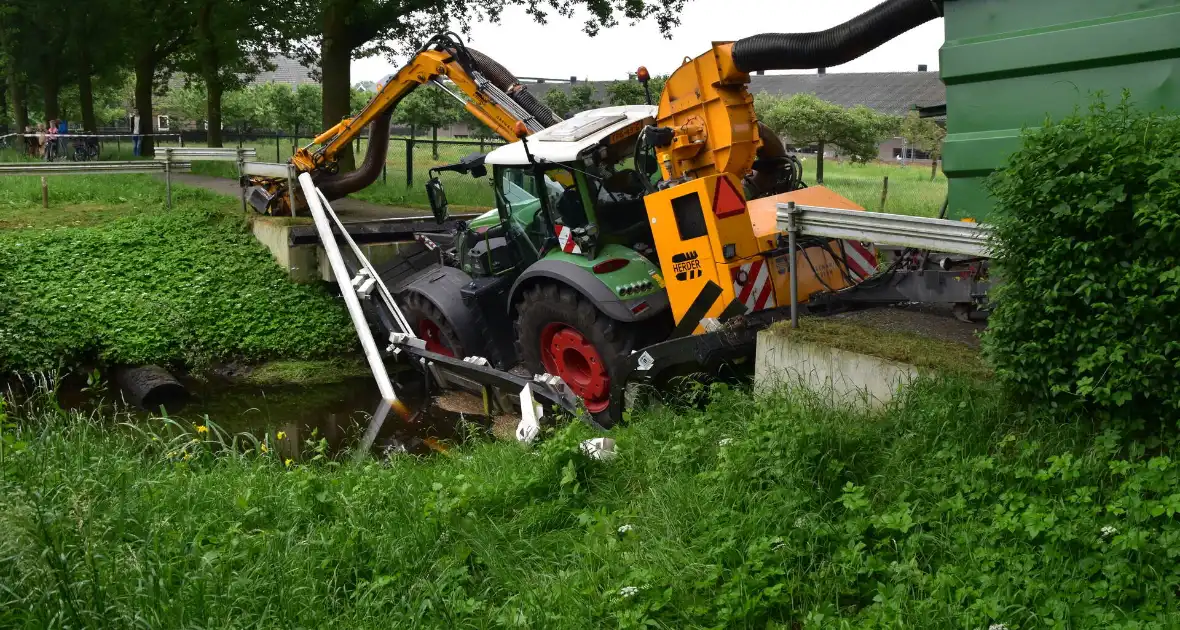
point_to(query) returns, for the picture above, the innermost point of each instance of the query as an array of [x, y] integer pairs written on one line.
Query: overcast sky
[[560, 49]]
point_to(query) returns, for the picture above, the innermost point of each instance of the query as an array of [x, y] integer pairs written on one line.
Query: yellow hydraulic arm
[[427, 66], [489, 92]]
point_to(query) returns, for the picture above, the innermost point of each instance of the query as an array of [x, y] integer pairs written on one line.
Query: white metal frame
[[941, 235]]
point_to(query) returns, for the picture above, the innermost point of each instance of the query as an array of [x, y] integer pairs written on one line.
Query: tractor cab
[[572, 188]]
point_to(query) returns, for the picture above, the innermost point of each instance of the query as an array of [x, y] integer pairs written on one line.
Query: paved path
[[348, 209]]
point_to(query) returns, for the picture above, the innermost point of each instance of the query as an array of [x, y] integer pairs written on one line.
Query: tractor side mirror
[[438, 199]]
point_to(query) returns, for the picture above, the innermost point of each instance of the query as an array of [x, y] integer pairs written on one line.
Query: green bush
[[183, 286], [1088, 236]]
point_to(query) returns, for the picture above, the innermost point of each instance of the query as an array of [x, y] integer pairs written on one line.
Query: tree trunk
[[211, 73], [213, 90], [933, 166], [434, 141], [335, 57], [50, 88], [86, 96], [20, 104], [4, 104], [145, 72], [819, 164]]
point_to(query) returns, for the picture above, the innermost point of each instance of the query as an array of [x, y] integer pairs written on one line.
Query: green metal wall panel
[[1009, 64]]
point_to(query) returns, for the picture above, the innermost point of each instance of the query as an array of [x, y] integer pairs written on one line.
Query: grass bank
[[951, 509], [108, 274]]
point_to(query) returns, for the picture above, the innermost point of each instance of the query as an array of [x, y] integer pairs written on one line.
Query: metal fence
[[406, 166]]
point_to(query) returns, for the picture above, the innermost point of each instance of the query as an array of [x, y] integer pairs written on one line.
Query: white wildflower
[[1108, 531], [629, 591], [725, 442], [625, 529], [997, 626]]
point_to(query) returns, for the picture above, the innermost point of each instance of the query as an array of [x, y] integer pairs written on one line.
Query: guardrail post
[[277, 136], [409, 163], [168, 174], [242, 176], [884, 192], [792, 251], [292, 182]]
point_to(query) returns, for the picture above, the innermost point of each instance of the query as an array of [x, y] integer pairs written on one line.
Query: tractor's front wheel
[[560, 332], [431, 325]]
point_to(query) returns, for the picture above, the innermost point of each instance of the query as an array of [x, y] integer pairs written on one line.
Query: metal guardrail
[[89, 168], [45, 169], [265, 169], [204, 154], [941, 235]]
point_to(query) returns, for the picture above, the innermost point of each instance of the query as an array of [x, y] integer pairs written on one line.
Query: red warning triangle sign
[[727, 201]]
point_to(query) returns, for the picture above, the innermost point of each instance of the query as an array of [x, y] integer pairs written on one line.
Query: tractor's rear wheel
[[431, 325], [560, 332]]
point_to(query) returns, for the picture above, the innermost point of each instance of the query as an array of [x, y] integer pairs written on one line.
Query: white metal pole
[[792, 252], [168, 174], [400, 318], [345, 283]]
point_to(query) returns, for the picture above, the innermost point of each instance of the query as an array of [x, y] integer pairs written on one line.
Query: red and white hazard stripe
[[861, 259], [753, 286], [565, 239]]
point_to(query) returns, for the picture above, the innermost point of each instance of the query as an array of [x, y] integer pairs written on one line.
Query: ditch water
[[347, 414]]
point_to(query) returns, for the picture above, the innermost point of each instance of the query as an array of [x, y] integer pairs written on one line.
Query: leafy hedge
[[1088, 238], [185, 286]]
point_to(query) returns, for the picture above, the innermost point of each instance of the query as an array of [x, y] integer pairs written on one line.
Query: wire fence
[[78, 147], [408, 160], [405, 170]]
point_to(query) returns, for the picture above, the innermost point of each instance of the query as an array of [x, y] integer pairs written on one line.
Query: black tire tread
[[545, 303], [415, 307]]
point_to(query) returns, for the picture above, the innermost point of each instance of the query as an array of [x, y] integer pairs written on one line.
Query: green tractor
[[561, 277]]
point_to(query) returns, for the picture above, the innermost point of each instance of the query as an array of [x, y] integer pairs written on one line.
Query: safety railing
[[940, 235], [205, 154], [44, 169], [170, 156]]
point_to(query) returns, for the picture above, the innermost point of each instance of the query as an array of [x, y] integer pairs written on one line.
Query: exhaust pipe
[[837, 45]]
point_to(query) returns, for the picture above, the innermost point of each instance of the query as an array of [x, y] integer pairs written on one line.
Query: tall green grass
[[910, 189], [951, 509]]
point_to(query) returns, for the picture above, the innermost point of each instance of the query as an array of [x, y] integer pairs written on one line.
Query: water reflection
[[345, 417]]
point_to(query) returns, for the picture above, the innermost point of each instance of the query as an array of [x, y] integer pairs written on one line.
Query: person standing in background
[[49, 141], [135, 137]]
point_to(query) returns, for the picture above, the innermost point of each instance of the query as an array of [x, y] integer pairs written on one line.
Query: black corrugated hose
[[337, 185], [506, 81], [837, 45]]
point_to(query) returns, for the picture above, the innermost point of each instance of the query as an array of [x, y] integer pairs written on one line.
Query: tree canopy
[[805, 120], [87, 47]]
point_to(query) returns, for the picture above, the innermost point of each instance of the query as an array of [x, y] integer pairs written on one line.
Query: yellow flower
[[188, 456], [281, 435], [288, 462], [263, 448], [202, 429]]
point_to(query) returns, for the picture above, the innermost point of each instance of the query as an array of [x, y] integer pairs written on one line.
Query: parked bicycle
[[85, 149]]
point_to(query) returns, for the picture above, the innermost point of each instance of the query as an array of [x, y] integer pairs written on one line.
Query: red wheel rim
[[567, 353], [432, 335]]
